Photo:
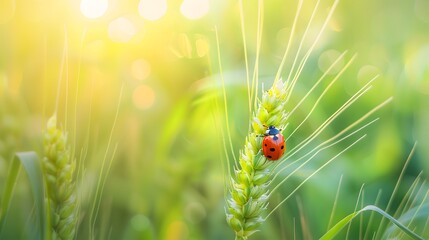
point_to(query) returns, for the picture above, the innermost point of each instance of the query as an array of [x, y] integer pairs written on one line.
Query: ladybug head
[[272, 131]]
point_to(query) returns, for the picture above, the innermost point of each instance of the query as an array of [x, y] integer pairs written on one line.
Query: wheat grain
[[59, 172], [249, 185]]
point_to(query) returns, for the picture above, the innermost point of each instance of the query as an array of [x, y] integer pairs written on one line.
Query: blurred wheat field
[[136, 87]]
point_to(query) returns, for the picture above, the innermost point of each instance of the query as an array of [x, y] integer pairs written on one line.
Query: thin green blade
[[31, 165], [13, 172], [337, 228]]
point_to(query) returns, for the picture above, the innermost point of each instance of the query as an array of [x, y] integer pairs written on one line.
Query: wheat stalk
[[249, 185], [59, 172]]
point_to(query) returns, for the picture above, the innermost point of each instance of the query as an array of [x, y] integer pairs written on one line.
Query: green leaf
[[31, 165], [416, 216], [337, 228], [13, 172]]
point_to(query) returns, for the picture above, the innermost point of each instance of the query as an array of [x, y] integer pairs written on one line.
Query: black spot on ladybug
[[269, 156], [283, 146], [272, 149], [266, 145]]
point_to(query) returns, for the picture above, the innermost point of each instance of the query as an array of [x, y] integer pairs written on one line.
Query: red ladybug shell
[[273, 146]]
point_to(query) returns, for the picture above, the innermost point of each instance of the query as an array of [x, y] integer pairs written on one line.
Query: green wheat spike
[[59, 172], [249, 185]]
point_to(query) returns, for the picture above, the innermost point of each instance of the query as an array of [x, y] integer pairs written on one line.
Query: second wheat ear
[[59, 173], [249, 184]]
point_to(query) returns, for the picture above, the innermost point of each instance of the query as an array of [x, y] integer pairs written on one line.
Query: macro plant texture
[[252, 178], [161, 111], [59, 167], [249, 187]]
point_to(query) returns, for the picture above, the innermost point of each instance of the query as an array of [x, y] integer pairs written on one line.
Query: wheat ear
[[59, 171], [249, 183]]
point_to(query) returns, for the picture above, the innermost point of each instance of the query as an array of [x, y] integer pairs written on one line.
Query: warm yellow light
[[93, 8], [177, 230], [7, 10], [143, 97], [152, 9], [194, 9], [121, 30], [140, 69], [202, 47]]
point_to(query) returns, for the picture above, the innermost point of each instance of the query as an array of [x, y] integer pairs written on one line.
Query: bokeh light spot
[[202, 47], [335, 25], [93, 8], [421, 8], [367, 72], [185, 46], [140, 69], [417, 68], [152, 9], [143, 97], [194, 9], [327, 58], [121, 30], [140, 222], [177, 230]]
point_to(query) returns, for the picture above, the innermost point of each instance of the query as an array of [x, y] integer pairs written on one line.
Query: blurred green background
[[156, 63]]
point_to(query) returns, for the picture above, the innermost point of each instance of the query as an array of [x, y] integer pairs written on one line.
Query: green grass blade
[[416, 216], [103, 172], [31, 165], [337, 228], [8, 191]]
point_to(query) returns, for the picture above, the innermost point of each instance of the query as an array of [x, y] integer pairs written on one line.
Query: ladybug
[[273, 145]]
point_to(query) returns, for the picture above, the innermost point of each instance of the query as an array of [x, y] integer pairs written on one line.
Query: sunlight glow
[[194, 9], [152, 9], [202, 47], [121, 30], [143, 97], [7, 10], [93, 8], [140, 69]]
